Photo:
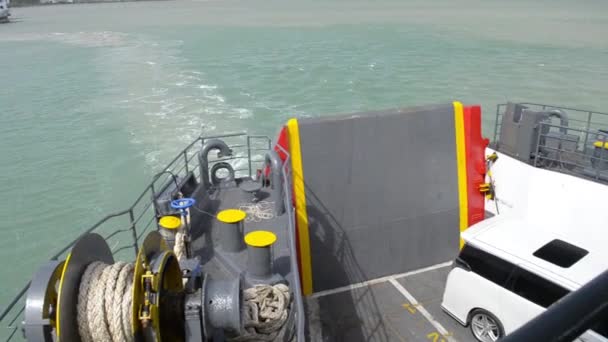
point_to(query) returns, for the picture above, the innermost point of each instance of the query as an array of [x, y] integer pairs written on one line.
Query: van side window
[[486, 265], [536, 289]]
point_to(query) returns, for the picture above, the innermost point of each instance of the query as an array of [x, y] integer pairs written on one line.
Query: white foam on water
[[167, 104], [217, 97], [244, 113], [152, 157], [85, 39]]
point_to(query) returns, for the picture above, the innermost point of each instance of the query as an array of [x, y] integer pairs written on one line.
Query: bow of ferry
[[342, 228]]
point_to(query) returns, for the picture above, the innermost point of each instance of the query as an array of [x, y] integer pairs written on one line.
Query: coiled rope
[[256, 212], [180, 245], [180, 237], [105, 296], [265, 312], [104, 302]]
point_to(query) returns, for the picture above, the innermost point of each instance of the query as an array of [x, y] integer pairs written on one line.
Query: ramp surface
[[381, 192]]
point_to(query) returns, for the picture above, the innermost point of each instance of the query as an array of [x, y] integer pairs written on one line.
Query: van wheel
[[485, 326]]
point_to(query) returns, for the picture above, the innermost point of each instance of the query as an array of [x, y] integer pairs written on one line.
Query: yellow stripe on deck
[[300, 198], [461, 166]]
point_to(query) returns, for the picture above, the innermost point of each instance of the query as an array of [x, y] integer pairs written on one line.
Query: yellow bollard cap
[[231, 215], [170, 222], [260, 238]]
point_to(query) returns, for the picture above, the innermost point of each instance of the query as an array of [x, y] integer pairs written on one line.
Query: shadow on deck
[[379, 310]]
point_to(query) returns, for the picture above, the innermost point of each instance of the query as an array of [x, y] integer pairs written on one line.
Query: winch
[[90, 297]]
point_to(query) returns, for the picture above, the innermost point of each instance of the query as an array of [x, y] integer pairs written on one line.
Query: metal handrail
[[576, 161], [545, 106], [289, 209], [587, 121], [150, 190]]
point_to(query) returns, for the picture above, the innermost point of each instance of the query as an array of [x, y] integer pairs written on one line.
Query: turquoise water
[[96, 98]]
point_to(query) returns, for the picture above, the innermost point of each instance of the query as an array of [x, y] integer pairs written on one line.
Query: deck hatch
[[560, 253]]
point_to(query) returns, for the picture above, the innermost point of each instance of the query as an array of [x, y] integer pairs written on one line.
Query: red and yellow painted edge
[[461, 168], [475, 145], [470, 164], [299, 194]]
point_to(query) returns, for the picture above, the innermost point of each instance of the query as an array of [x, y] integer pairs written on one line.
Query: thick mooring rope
[[265, 312], [105, 297], [104, 302], [180, 237], [180, 245]]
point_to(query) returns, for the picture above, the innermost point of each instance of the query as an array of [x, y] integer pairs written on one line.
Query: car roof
[[515, 240]]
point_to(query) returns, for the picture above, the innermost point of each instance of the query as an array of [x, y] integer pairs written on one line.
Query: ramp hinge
[[487, 189], [492, 157]]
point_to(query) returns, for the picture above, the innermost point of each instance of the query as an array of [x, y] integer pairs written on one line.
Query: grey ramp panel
[[381, 192]]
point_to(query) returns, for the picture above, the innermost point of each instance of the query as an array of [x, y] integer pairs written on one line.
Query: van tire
[[480, 320]]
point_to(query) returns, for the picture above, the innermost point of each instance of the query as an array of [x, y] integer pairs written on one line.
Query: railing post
[[537, 153], [600, 161], [249, 153], [200, 168], [154, 200], [186, 161], [133, 231], [496, 127], [587, 127]]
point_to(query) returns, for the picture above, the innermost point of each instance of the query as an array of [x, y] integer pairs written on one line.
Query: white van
[[508, 272], [4, 11]]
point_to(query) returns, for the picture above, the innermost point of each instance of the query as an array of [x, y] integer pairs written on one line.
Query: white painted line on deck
[[420, 270], [349, 287], [377, 280], [443, 331]]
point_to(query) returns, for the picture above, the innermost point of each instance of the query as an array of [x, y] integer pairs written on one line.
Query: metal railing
[[564, 153], [582, 119], [569, 149], [136, 220], [291, 235]]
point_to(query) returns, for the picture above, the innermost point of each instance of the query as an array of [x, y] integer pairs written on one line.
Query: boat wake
[[164, 101], [85, 39]]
